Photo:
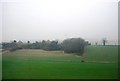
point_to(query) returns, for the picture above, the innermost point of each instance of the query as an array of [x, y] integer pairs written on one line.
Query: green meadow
[[0, 65], [101, 62]]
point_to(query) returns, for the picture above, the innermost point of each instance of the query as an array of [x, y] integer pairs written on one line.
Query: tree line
[[71, 45]]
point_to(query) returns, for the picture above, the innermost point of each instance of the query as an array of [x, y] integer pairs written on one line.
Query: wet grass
[[39, 64]]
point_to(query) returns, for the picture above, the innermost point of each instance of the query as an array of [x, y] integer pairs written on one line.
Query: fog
[[34, 20]]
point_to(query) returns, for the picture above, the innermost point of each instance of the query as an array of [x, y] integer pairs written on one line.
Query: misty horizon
[[57, 20]]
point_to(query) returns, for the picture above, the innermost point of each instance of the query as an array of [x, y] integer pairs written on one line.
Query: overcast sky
[[59, 19]]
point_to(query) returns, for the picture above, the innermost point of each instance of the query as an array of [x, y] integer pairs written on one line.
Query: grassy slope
[[39, 64]]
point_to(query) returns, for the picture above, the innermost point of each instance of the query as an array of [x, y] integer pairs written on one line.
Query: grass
[[102, 53], [0, 65], [39, 64]]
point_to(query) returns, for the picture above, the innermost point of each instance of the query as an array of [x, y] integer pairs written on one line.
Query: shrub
[[74, 45]]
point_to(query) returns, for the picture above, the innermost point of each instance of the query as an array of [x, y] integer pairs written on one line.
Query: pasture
[[0, 65], [100, 63]]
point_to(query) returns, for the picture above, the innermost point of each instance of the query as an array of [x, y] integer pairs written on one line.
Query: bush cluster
[[72, 45]]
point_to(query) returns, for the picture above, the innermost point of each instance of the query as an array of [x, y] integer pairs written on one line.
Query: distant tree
[[20, 44], [6, 46], [27, 45], [104, 41], [53, 45], [13, 46], [0, 46], [74, 45], [43, 44], [28, 42], [14, 41], [36, 45], [96, 43], [87, 43]]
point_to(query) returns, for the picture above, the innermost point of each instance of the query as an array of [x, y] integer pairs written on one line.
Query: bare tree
[[104, 40]]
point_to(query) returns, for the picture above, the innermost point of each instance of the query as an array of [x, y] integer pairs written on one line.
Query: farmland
[[100, 63]]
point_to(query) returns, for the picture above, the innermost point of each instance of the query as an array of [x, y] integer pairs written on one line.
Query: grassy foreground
[[100, 63], [0, 65]]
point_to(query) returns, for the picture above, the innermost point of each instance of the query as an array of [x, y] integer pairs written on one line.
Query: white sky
[[59, 19]]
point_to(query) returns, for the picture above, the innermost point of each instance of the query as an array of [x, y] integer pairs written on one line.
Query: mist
[[36, 20]]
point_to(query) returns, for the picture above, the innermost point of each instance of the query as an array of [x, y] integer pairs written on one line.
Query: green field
[[100, 63], [0, 65]]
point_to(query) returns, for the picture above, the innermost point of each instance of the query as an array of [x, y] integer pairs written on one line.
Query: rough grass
[[39, 64], [0, 65], [102, 54]]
